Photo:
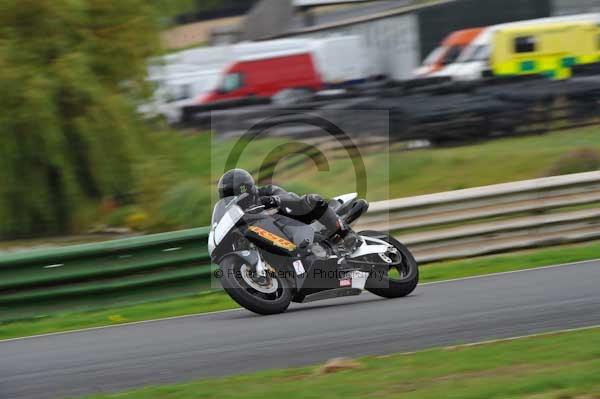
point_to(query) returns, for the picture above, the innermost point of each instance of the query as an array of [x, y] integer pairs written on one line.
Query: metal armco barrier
[[492, 219], [125, 271], [436, 227]]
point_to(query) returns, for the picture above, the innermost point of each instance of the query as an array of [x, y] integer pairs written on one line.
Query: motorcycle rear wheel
[[246, 295], [387, 286]]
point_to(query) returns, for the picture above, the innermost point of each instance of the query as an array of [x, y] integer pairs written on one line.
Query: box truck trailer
[[264, 69]]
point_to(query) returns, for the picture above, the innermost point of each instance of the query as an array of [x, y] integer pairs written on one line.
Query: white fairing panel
[[346, 197], [233, 215], [211, 242], [370, 246]]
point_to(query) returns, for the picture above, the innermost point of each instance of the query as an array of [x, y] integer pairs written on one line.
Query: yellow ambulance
[[550, 49]]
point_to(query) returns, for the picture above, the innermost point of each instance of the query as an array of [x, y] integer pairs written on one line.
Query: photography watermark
[[310, 155], [317, 274]]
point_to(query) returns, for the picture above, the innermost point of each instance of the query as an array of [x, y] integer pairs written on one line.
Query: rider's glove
[[315, 200], [270, 202]]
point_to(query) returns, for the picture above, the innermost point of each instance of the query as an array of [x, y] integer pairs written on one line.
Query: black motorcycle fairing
[[266, 235], [301, 234], [298, 233], [283, 265], [320, 275]]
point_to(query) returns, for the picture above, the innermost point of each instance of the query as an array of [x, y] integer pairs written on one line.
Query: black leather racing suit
[[306, 208]]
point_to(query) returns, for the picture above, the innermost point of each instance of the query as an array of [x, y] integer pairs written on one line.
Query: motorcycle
[[267, 259]]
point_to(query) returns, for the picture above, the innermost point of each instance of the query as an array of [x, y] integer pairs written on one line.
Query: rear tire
[[389, 287], [246, 296]]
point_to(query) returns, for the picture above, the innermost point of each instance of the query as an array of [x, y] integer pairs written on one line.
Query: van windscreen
[[452, 55], [232, 82], [435, 56], [475, 53]]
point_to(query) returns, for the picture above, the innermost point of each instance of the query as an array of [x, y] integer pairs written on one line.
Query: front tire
[[408, 272], [274, 299]]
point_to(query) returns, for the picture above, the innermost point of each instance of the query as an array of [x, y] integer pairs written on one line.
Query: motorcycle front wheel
[[262, 295], [400, 280]]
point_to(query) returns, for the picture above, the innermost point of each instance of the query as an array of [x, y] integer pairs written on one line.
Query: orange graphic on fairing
[[275, 239]]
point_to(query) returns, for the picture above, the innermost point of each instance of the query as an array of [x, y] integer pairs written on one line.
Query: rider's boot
[[338, 232], [347, 237]]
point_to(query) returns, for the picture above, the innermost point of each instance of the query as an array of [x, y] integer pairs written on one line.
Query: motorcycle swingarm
[[371, 265]]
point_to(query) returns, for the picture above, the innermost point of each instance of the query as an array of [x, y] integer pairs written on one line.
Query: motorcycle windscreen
[[220, 209], [243, 201]]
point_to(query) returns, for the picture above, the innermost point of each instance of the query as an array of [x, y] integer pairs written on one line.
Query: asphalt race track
[[167, 351]]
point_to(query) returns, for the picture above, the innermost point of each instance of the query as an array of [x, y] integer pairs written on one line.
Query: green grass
[[213, 301], [520, 260], [426, 171], [406, 173], [200, 303], [400, 174], [555, 366]]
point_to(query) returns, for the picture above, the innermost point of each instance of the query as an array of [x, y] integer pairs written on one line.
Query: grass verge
[[214, 301], [562, 365], [433, 170]]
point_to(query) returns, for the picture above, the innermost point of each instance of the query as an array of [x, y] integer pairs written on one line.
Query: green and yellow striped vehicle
[[549, 49]]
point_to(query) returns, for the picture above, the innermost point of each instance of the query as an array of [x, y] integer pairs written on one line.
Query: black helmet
[[236, 182]]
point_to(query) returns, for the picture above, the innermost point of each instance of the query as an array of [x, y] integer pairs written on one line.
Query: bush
[[120, 216], [575, 161], [187, 204]]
